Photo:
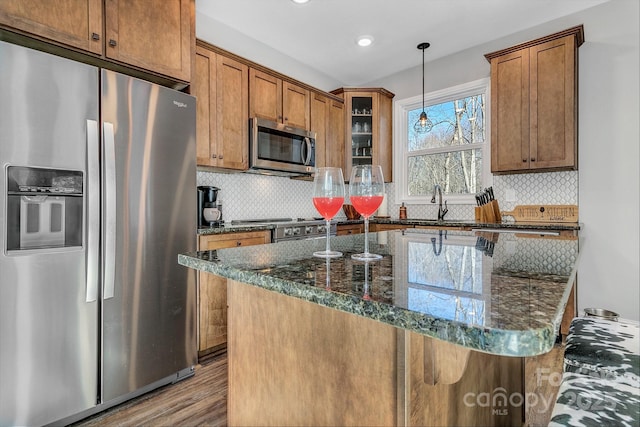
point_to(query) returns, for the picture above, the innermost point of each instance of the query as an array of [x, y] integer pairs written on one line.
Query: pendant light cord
[[422, 79]]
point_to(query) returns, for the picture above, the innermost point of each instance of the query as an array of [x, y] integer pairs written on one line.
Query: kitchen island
[[433, 334]]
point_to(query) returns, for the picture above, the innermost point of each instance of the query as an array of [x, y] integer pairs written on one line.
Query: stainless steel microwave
[[281, 148]]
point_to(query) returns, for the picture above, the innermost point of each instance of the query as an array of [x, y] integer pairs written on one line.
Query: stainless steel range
[[292, 229]]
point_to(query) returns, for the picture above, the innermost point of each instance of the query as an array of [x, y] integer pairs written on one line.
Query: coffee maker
[[209, 212]]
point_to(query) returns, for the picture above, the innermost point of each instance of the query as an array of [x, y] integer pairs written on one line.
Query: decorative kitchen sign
[[544, 213]]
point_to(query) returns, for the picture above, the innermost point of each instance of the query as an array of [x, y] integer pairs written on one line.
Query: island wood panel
[[449, 385], [295, 363], [292, 362]]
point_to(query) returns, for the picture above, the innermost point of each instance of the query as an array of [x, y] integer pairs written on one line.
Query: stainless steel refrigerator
[[97, 198]]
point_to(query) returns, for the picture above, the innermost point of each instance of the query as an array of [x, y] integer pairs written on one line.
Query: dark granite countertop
[[229, 228], [502, 294], [558, 226]]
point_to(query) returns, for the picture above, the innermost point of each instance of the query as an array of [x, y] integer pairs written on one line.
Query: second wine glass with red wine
[[328, 197], [366, 191]]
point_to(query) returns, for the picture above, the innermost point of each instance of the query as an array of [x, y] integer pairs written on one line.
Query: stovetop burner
[[292, 229]]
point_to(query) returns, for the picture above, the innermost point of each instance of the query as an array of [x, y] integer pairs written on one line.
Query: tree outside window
[[452, 154]]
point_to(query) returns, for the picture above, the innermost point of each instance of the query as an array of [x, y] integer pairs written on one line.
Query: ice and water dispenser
[[44, 208]]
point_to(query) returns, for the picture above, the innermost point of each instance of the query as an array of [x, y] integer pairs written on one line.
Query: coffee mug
[[211, 214]]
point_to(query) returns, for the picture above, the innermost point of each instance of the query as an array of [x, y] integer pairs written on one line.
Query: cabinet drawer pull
[[112, 43], [95, 36], [238, 243]]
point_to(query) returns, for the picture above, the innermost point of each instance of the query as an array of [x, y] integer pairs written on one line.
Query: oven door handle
[[308, 151]]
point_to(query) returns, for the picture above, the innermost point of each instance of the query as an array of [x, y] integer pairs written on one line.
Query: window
[[453, 154]]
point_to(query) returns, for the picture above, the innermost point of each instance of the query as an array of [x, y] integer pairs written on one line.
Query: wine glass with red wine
[[328, 197], [366, 191]]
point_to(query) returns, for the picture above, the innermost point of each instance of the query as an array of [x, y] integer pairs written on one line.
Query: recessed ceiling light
[[300, 1], [364, 41]]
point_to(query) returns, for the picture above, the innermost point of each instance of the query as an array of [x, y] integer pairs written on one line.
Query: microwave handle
[[307, 157]]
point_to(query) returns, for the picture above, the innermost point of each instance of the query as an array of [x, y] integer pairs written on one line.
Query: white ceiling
[[322, 33]]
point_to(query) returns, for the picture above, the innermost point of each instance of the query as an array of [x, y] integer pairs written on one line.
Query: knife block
[[489, 212]]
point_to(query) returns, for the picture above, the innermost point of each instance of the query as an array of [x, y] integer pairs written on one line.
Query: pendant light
[[423, 124]]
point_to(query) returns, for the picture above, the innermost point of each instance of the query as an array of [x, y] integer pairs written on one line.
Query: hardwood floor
[[202, 399]]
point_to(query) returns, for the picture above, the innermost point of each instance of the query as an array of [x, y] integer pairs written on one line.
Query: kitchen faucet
[[437, 251], [441, 212]]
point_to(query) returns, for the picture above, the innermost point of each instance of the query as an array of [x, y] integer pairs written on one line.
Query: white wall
[[221, 35], [609, 138], [609, 157]]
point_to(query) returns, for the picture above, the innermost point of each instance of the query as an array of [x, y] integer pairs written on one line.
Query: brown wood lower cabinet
[[346, 229], [387, 227], [212, 290]]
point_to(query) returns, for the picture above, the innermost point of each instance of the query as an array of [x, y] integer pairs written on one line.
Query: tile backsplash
[[248, 196]]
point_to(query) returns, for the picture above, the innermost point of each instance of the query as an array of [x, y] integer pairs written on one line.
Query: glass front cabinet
[[368, 130]]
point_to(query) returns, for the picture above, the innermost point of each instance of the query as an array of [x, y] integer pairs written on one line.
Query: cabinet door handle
[[524, 160], [95, 36], [112, 43], [238, 243], [214, 156], [533, 159]]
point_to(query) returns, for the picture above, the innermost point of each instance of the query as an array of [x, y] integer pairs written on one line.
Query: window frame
[[400, 149]]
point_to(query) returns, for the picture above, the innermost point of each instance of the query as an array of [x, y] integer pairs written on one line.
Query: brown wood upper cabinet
[[278, 100], [222, 88], [153, 35], [327, 122], [368, 128], [534, 109]]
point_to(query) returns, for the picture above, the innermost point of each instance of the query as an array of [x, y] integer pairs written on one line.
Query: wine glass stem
[[366, 234], [328, 233]]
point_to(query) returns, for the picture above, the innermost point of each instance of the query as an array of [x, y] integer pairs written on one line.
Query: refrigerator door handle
[[92, 192], [110, 210]]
